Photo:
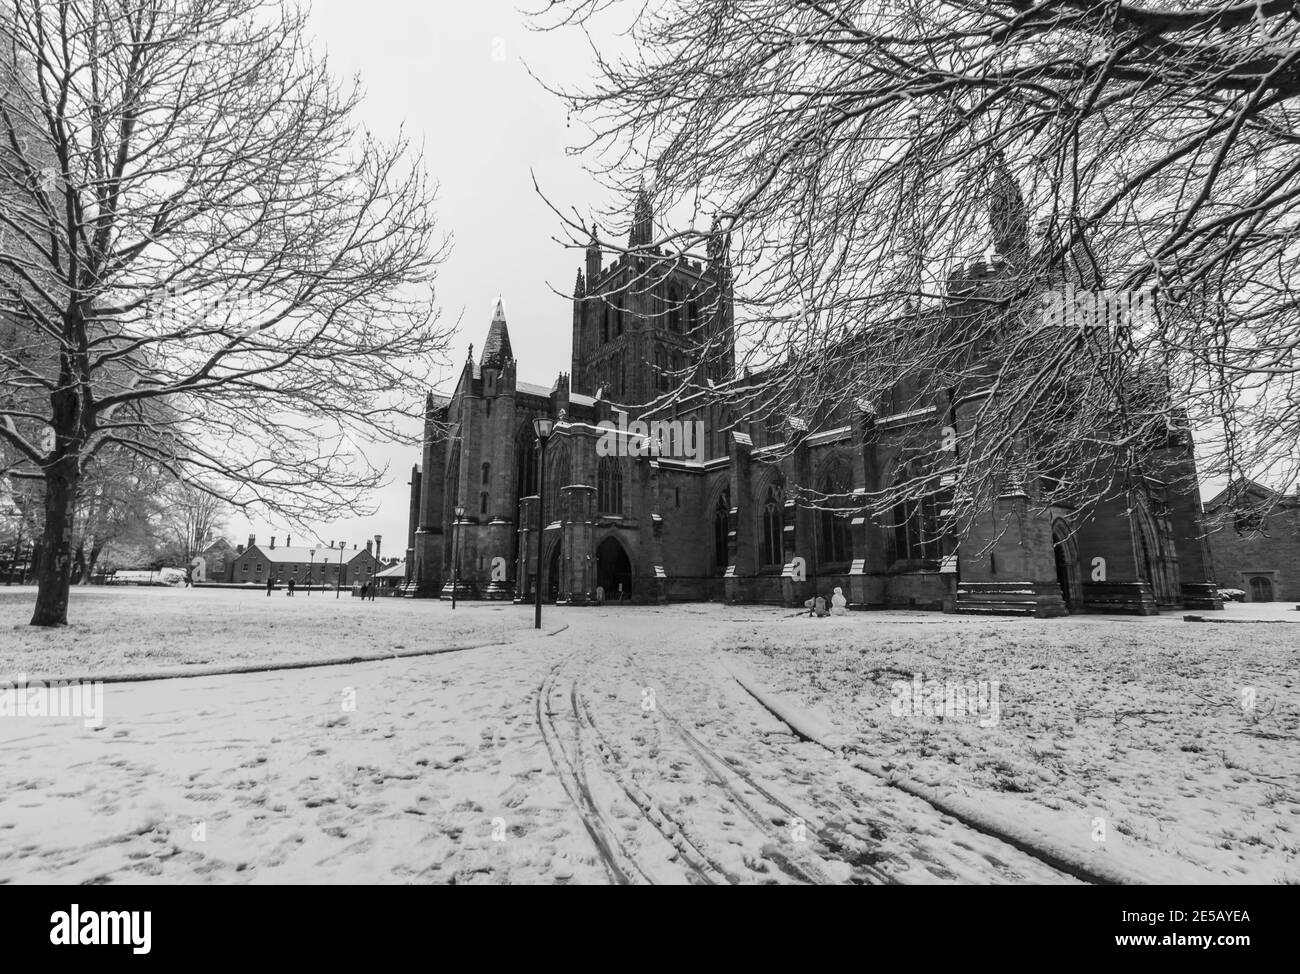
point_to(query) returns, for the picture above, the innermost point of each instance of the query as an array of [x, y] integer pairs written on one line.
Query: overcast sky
[[453, 73]]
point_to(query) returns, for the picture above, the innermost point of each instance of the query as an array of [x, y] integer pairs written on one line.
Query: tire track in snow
[[704, 867], [618, 862]]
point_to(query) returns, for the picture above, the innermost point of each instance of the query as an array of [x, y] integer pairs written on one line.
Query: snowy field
[[622, 749], [1175, 744], [135, 629]]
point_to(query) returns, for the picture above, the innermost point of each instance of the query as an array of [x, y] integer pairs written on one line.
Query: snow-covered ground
[[621, 749], [135, 629], [1173, 747]]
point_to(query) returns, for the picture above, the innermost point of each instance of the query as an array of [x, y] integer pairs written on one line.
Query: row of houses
[[254, 564]]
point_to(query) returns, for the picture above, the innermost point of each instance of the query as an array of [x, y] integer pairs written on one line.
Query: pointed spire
[[594, 256], [642, 220], [496, 350], [579, 286], [1008, 215], [718, 245]]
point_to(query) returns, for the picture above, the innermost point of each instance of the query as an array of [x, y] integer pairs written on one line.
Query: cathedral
[[723, 519]]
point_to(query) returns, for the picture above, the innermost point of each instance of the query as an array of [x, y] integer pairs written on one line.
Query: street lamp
[[310, 562], [455, 552], [374, 578], [542, 426], [338, 585]]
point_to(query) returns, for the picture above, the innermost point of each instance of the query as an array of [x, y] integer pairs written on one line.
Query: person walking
[[291, 585], [270, 584], [365, 590]]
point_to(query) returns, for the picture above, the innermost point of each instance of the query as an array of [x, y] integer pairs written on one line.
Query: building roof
[[496, 350], [293, 554], [397, 571]]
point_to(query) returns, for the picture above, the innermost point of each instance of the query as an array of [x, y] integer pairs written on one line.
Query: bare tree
[[206, 262], [917, 192], [193, 517]]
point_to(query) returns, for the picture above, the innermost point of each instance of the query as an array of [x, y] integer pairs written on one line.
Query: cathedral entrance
[[1261, 589], [1067, 565], [613, 568]]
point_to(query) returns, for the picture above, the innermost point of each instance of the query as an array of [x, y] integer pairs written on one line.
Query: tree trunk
[[79, 565], [93, 560], [54, 574]]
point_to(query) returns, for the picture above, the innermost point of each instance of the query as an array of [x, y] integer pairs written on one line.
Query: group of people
[[368, 591], [816, 606]]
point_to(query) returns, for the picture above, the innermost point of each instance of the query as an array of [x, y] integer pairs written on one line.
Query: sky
[[453, 76]]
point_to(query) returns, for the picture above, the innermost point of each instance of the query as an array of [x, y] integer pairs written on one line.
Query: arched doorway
[[1067, 564], [1261, 589], [613, 568], [553, 572]]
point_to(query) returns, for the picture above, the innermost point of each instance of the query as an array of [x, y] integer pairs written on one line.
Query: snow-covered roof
[[397, 571], [282, 555]]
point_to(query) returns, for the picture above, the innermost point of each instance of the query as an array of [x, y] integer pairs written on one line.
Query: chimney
[[368, 546], [239, 549], [252, 540], [272, 542], [286, 540]]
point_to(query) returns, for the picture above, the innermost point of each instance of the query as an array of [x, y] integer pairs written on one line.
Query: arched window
[[609, 486], [674, 308], [526, 462], [773, 525], [661, 369], [452, 489], [604, 323], [721, 528], [483, 502], [834, 544], [618, 320], [915, 522], [487, 474], [557, 477]]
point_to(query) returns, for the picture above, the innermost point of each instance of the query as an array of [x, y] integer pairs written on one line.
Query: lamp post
[[338, 585], [542, 426], [455, 552], [379, 565], [311, 559]]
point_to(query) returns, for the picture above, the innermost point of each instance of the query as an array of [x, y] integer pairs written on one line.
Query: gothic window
[[604, 323], [487, 474], [773, 525], [833, 540], [915, 522], [527, 454], [693, 314], [452, 491], [557, 466], [674, 309], [618, 320], [483, 502], [609, 486], [721, 524], [661, 368]]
